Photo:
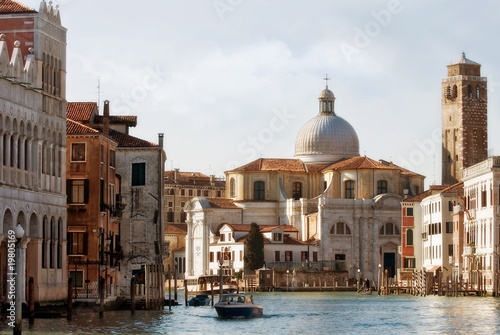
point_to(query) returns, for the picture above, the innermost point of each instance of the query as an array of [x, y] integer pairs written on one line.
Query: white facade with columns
[[33, 151]]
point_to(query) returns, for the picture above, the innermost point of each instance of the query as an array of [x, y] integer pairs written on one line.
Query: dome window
[[259, 190], [349, 189]]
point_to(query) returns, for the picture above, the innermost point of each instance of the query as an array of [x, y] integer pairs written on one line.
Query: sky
[[231, 81]]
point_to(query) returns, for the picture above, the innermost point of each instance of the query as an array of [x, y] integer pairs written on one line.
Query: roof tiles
[[10, 6]]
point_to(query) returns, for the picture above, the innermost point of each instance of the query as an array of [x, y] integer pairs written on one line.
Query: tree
[[254, 248]]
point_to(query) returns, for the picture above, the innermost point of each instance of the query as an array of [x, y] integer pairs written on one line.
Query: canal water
[[297, 313]]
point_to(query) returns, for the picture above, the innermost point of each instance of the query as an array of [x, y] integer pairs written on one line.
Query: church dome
[[326, 138]]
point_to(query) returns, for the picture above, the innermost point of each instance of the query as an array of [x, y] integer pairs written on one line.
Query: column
[[37, 164], [29, 161], [1, 156], [13, 157], [22, 160], [7, 157]]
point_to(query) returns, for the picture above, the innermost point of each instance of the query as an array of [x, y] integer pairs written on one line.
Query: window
[[222, 238], [469, 91], [304, 255], [277, 256], [77, 191], [102, 153], [455, 91], [483, 198], [170, 204], [449, 227], [259, 192], [190, 193], [198, 193], [349, 189], [77, 277], [296, 190], [389, 229], [229, 238], [340, 264], [381, 187], [183, 192], [232, 188], [77, 243], [417, 190], [112, 158], [288, 256], [409, 263], [277, 237], [409, 237], [409, 211], [138, 174], [478, 92], [315, 256], [450, 249], [170, 215], [211, 256], [205, 193], [450, 206], [78, 152], [340, 228]]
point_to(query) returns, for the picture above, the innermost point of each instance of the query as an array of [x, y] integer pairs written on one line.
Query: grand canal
[[297, 313]]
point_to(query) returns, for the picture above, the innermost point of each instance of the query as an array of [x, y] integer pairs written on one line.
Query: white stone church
[[344, 207]]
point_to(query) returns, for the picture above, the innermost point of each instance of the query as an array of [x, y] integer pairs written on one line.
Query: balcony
[[424, 236]]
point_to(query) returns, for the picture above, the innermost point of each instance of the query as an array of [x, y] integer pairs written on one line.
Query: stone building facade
[[33, 144], [464, 119]]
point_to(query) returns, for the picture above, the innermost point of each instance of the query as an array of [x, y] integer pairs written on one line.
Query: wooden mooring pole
[[132, 295], [102, 289], [186, 292], [69, 314], [31, 293]]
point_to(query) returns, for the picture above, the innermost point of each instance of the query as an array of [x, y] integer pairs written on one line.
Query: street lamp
[[359, 273], [19, 233], [378, 277]]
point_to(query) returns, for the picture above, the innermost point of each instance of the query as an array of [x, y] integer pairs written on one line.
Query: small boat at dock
[[200, 300]]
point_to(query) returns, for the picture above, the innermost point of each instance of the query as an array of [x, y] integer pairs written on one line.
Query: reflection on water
[[304, 313]]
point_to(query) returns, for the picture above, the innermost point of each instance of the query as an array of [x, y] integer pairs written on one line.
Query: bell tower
[[464, 119]]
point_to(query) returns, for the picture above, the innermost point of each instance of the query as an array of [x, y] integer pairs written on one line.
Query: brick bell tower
[[464, 124]]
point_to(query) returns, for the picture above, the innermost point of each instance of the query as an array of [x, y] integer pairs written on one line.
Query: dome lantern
[[326, 138]]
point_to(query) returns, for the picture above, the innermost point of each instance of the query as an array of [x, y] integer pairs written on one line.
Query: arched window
[[448, 92], [259, 190], [455, 91], [232, 188], [340, 228], [381, 186], [183, 216], [389, 229], [296, 190], [349, 189], [409, 237], [170, 215], [469, 91], [478, 92]]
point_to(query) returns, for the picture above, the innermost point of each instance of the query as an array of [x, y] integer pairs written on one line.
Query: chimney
[[176, 175], [105, 119], [212, 179], [160, 140]]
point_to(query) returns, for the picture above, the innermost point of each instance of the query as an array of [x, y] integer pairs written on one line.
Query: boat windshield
[[234, 298]]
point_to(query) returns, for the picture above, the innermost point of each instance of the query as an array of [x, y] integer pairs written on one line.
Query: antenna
[[98, 93]]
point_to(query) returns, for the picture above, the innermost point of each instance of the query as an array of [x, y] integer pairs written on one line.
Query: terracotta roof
[[73, 128], [455, 188], [187, 175], [222, 203], [10, 6], [128, 141], [419, 197], [80, 111], [262, 228], [360, 162], [129, 120], [273, 164], [175, 228]]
